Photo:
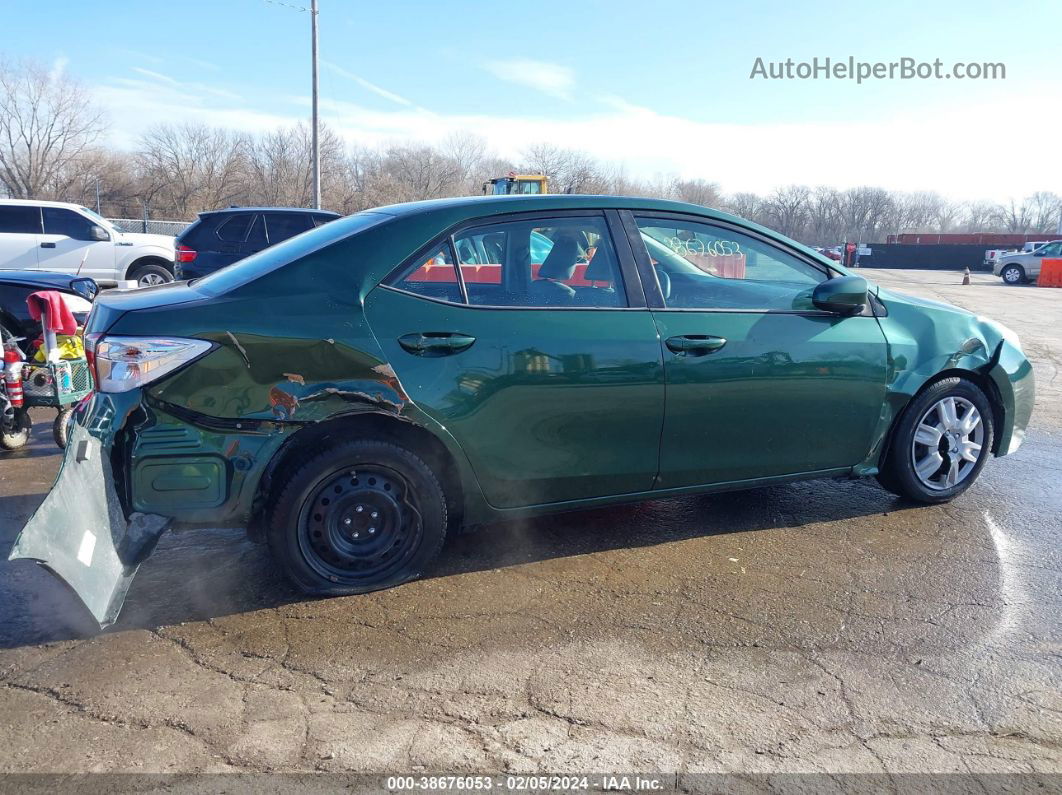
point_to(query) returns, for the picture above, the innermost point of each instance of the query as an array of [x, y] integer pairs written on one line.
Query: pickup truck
[[66, 238], [1021, 266]]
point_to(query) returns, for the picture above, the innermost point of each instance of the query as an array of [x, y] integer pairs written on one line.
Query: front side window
[[1051, 250], [20, 219], [703, 266], [60, 221], [562, 262]]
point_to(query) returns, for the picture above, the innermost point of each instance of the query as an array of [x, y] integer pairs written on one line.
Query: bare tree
[[192, 167], [697, 191], [787, 209], [47, 121]]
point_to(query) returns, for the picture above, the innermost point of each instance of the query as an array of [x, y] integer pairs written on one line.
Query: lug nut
[[347, 521], [372, 530], [374, 514], [360, 508], [355, 533]]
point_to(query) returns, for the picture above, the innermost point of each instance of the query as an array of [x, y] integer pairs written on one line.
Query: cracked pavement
[[817, 627]]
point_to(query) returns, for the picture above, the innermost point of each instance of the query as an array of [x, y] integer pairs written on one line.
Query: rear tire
[[151, 275], [17, 435], [360, 516], [1012, 275], [940, 443], [61, 427]]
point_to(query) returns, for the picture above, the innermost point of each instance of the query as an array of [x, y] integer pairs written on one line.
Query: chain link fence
[[150, 226]]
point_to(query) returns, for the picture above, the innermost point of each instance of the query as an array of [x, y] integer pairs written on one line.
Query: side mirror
[[99, 233], [845, 295], [85, 287]]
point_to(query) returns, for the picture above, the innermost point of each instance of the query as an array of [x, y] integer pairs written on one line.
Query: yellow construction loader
[[516, 184]]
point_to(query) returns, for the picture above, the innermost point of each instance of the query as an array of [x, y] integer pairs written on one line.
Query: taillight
[[125, 363], [90, 341], [185, 254]]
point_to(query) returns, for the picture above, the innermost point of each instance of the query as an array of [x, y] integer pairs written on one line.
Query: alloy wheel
[[150, 280], [947, 443]]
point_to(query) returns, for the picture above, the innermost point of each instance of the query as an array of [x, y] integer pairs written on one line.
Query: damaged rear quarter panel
[[292, 348]]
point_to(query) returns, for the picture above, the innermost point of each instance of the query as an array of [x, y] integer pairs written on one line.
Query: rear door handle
[[433, 343], [47, 245], [694, 344]]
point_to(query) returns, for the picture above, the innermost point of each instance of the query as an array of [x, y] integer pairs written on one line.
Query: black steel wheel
[[357, 517]]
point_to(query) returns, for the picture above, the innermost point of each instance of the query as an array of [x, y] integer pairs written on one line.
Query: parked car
[[220, 237], [1019, 267], [70, 239], [352, 395]]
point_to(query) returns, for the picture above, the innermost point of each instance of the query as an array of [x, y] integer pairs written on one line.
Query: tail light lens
[[121, 364], [185, 254]]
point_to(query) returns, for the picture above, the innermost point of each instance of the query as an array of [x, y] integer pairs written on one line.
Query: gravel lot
[[821, 626]]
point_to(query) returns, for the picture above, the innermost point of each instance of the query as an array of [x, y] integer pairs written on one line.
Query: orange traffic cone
[[966, 275]]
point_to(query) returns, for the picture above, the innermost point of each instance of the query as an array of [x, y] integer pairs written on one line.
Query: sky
[[657, 89]]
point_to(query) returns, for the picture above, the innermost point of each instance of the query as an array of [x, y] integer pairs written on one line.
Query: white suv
[[67, 238]]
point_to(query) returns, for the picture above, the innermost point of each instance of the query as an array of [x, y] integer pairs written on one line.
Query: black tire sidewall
[[60, 425], [900, 467], [300, 483]]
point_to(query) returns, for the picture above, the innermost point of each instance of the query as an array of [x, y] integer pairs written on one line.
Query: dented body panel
[[304, 341]]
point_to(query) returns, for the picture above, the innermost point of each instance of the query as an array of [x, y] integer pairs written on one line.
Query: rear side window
[[20, 219], [234, 228], [321, 220], [561, 262], [281, 226], [60, 221]]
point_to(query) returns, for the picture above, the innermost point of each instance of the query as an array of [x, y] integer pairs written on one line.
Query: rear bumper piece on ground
[[81, 534]]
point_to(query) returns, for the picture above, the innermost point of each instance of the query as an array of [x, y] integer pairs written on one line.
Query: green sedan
[[354, 394]]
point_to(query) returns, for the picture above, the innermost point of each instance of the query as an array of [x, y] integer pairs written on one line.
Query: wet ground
[[821, 626]]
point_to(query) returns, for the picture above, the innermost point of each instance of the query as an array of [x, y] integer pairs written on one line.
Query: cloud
[[946, 149], [58, 67], [361, 81], [549, 78]]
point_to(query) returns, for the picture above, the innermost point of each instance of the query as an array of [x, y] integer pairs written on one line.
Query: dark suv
[[220, 237]]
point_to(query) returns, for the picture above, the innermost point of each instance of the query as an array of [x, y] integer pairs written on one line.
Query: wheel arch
[[978, 377], [378, 425], [148, 259]]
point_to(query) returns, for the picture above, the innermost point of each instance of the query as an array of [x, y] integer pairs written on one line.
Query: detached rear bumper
[[81, 533]]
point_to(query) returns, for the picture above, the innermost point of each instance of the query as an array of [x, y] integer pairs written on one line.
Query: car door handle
[[47, 245], [695, 344], [433, 343]]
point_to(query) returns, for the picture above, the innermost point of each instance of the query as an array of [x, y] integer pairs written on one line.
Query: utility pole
[[98, 211], [316, 155]]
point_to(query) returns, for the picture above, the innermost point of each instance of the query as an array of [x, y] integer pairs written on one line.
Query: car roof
[[39, 203], [268, 209], [471, 207], [496, 205], [43, 279]]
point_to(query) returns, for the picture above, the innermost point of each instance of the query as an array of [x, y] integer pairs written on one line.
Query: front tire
[[360, 516], [1012, 274], [150, 275], [941, 443], [16, 435]]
